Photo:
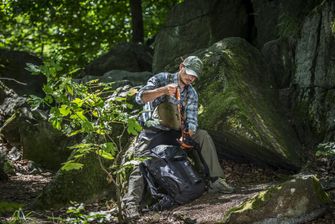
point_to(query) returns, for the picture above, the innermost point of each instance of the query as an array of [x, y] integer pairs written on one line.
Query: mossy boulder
[[40, 142], [295, 201], [239, 107], [84, 185]]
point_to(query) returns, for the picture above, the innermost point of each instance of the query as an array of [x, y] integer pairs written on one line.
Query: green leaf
[[78, 101], [47, 89], [105, 154], [70, 165], [34, 69], [34, 102], [87, 126], [109, 147], [56, 124], [82, 146], [129, 106], [133, 126], [132, 92], [64, 110], [74, 71], [130, 164], [48, 99], [69, 89], [78, 115], [95, 113], [120, 99], [100, 131], [73, 133], [93, 81]]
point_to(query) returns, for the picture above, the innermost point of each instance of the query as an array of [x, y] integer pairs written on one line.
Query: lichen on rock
[[297, 200]]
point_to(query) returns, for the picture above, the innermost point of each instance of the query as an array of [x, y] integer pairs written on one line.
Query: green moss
[[253, 203], [229, 108], [222, 98], [86, 184], [234, 100], [322, 195], [9, 207], [332, 27], [236, 96]]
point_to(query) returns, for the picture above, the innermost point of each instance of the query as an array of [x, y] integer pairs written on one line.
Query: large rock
[[314, 79], [14, 74], [127, 56], [10, 102], [273, 19], [198, 24], [89, 183], [84, 185], [279, 54], [296, 201], [10, 107], [238, 106], [40, 142], [304, 72], [31, 131]]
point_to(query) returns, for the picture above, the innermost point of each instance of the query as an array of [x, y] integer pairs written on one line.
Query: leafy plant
[[76, 214], [95, 111], [19, 217], [6, 207]]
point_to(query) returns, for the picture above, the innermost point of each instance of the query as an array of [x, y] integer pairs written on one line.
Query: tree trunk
[[137, 21]]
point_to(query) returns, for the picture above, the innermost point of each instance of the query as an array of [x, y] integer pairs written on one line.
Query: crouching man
[[171, 102]]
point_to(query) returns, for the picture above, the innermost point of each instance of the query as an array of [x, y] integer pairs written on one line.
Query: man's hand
[[150, 95], [186, 141], [171, 89]]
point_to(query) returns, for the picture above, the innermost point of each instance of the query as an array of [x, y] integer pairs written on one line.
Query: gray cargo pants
[[133, 197]]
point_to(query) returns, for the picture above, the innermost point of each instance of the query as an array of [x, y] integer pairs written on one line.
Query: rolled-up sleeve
[[153, 83]]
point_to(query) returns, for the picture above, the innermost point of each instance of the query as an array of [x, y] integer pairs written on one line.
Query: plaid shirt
[[162, 79]]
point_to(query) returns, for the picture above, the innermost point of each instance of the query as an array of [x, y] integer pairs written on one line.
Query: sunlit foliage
[[78, 31]]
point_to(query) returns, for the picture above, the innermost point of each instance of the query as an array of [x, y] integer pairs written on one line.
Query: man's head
[[190, 69], [193, 66]]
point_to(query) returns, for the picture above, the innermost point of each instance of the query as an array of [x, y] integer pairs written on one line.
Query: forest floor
[[27, 182]]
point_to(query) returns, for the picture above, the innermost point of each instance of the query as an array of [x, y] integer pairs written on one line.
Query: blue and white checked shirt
[[162, 79]]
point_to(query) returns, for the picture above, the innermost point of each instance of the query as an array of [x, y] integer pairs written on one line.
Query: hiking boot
[[220, 186], [132, 213]]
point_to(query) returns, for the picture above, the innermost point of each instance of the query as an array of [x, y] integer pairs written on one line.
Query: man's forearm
[[150, 95]]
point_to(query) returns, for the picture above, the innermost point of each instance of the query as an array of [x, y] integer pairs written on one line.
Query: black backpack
[[170, 177]]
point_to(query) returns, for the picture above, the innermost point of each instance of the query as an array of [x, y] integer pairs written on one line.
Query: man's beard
[[183, 82]]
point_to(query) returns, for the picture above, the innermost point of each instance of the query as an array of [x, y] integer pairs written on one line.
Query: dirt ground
[[26, 183]]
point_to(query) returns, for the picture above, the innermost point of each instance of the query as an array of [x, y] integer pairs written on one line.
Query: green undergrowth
[[7, 207]]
